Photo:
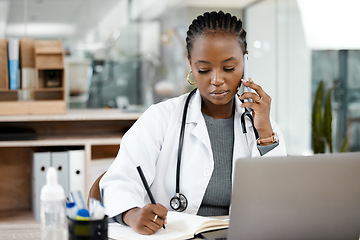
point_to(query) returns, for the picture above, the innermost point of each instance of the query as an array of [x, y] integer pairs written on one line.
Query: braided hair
[[215, 22]]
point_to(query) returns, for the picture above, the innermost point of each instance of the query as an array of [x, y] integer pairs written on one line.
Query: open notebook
[[179, 226]]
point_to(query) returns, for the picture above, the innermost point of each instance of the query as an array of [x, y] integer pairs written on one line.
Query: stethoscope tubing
[[181, 140]]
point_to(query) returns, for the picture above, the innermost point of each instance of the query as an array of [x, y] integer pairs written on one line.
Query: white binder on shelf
[[41, 163], [76, 163], [61, 164]]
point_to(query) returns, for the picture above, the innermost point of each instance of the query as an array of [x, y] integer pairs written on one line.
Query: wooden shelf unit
[[98, 132], [48, 94]]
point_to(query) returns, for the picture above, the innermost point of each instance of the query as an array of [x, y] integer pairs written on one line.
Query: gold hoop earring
[[188, 78]]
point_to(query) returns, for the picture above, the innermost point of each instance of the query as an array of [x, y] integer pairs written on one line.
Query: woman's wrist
[[268, 140], [265, 132], [128, 215], [264, 136]]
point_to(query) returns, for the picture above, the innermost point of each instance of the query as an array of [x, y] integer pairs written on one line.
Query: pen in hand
[[143, 179]]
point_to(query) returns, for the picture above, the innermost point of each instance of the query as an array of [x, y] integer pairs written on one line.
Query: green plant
[[322, 122]]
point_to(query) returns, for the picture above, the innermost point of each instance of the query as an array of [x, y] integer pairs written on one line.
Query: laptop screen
[[296, 197]]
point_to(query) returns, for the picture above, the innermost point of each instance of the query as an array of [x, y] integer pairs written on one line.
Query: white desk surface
[[25, 227], [16, 225], [25, 231]]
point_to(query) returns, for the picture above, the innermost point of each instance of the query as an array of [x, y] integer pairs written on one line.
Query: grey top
[[217, 197], [216, 200]]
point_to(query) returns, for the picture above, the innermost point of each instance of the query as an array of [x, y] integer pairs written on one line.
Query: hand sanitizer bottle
[[52, 209]]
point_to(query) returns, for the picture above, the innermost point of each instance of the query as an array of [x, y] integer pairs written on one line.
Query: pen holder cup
[[90, 230]]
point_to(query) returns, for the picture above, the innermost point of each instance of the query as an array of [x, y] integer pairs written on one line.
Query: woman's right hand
[[142, 219]]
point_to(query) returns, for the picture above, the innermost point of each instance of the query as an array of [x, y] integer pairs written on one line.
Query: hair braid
[[215, 22]]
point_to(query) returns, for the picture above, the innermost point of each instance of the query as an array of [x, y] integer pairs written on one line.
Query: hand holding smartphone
[[246, 78]]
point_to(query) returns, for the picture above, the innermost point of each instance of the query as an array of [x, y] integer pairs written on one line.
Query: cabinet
[[98, 132], [43, 61]]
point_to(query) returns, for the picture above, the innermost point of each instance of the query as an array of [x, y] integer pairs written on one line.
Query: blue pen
[[78, 199], [82, 213]]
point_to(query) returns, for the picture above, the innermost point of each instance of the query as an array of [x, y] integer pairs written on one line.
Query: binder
[[13, 52], [27, 53], [60, 163], [27, 84], [27, 65], [41, 163], [4, 68], [70, 167], [76, 163]]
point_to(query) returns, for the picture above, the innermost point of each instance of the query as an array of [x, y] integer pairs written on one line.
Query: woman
[[213, 137]]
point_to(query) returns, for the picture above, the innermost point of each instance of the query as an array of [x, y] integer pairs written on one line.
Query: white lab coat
[[152, 143]]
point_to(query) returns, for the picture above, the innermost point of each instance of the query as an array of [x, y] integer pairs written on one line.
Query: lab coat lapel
[[195, 116]]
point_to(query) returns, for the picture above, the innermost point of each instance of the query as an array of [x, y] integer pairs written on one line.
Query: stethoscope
[[179, 201]]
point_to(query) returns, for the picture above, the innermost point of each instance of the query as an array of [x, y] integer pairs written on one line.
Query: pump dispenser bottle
[[52, 209]]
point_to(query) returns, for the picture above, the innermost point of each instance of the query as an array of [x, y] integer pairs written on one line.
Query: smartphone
[[246, 77]]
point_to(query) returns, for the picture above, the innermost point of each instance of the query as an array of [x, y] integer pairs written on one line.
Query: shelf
[[51, 52], [48, 47], [49, 95], [48, 89], [50, 68], [77, 115], [32, 107], [65, 141], [8, 90], [8, 95], [46, 59]]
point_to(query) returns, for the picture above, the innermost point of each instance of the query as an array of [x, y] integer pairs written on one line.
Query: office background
[[129, 54]]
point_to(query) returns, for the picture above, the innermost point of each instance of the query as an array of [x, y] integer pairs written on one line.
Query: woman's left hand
[[261, 108]]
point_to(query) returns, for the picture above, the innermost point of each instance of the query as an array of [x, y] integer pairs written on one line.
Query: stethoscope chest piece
[[178, 202]]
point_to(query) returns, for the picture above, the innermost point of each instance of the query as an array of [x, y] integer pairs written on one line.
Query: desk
[[26, 231], [25, 228], [19, 225], [18, 231]]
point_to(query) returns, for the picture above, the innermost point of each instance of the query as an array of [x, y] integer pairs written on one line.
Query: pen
[[143, 179], [102, 196]]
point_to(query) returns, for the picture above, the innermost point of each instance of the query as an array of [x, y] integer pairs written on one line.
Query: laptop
[[296, 197]]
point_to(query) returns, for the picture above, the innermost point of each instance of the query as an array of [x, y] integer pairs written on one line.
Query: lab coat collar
[[194, 116], [194, 110]]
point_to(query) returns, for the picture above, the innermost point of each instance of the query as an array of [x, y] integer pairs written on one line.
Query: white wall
[[282, 66], [4, 6], [101, 34]]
